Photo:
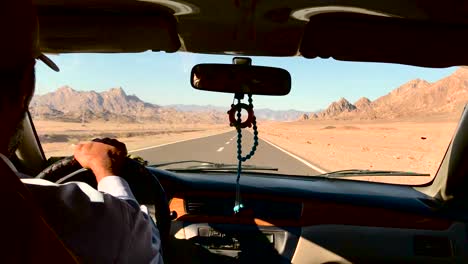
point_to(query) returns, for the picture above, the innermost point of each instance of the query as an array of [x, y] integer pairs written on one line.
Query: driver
[[73, 222]]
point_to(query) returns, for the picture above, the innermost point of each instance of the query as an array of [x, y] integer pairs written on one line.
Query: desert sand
[[385, 145], [60, 138]]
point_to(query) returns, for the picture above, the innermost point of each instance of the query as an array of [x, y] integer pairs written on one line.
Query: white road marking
[[227, 143], [179, 141], [222, 148], [298, 158]]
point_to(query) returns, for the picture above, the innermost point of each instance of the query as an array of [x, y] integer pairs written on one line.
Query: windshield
[[362, 117]]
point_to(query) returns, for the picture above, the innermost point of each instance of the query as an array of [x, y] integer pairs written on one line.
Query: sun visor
[[107, 32], [368, 38]]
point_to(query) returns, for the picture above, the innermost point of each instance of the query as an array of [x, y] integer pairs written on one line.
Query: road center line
[[220, 149], [227, 143], [175, 142]]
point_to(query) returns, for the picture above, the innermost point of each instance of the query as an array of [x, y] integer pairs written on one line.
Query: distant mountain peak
[[338, 107], [363, 100], [344, 104], [117, 91], [65, 88], [461, 73], [363, 103], [411, 86], [417, 83], [343, 101]]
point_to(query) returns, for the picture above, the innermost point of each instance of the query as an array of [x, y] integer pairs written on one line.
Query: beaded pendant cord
[[238, 202]]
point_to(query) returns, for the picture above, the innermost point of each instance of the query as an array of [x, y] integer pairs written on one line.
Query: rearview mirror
[[246, 79]]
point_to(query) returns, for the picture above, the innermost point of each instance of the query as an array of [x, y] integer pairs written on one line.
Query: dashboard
[[290, 219]]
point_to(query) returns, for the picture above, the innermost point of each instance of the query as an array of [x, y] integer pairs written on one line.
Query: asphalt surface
[[222, 148]]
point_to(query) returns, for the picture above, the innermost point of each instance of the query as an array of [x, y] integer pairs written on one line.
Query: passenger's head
[[18, 47]]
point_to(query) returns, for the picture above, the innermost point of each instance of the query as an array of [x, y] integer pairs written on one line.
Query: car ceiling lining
[[358, 37], [66, 30], [264, 28]]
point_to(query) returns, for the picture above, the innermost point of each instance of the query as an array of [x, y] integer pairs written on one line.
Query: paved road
[[222, 148]]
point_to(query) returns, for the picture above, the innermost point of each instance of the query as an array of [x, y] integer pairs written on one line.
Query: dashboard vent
[[195, 207], [263, 209], [208, 206]]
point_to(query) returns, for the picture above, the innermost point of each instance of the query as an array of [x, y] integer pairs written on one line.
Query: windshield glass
[[355, 116]]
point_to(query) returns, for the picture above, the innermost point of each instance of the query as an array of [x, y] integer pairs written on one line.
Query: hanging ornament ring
[[235, 108]]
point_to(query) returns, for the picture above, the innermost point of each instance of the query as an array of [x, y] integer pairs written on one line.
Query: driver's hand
[[105, 157]]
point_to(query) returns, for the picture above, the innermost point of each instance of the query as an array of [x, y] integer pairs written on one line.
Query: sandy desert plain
[[60, 138], [417, 146]]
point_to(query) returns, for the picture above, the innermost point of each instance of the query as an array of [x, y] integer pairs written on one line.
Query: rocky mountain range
[[416, 98], [67, 104], [260, 113]]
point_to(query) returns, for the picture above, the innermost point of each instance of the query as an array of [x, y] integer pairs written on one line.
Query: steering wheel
[[145, 186]]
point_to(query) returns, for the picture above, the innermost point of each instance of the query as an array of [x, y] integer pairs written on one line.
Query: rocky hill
[[337, 108], [363, 103], [67, 104], [304, 117], [416, 98]]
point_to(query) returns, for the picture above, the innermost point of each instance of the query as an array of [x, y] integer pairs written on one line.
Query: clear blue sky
[[162, 78]]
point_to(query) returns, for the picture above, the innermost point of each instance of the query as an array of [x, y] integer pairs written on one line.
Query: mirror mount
[[239, 96], [241, 61]]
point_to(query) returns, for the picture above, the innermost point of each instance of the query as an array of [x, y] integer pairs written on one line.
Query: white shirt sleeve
[[119, 188]]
